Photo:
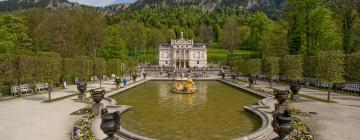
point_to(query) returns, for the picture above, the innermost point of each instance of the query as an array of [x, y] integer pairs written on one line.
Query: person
[[144, 74], [77, 81], [124, 81], [117, 81]]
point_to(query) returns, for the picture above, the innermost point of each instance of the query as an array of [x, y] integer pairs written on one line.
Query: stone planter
[[97, 96], [110, 122], [283, 126], [281, 96], [295, 88], [82, 88]]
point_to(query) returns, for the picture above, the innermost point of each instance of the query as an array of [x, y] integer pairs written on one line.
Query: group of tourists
[[118, 82]]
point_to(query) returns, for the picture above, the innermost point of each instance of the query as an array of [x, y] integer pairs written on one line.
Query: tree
[[54, 33], [69, 69], [229, 38], [293, 66], [135, 36], [48, 68], [114, 46], [99, 68], [348, 12], [89, 29], [254, 67], [13, 34], [330, 68], [155, 38], [259, 24], [271, 67], [294, 35], [317, 26], [352, 67], [83, 67], [206, 33], [113, 67], [274, 44]]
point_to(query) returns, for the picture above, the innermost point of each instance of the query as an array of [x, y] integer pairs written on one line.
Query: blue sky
[[101, 3]]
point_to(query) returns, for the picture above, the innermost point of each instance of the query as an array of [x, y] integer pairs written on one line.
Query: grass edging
[[316, 98], [60, 98]]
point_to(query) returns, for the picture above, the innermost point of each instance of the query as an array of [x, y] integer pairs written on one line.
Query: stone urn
[[295, 88], [281, 95], [97, 95], [110, 123], [282, 125], [82, 88]]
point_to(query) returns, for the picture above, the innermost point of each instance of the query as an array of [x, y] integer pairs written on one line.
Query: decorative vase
[[110, 122], [295, 88], [281, 96], [282, 124], [97, 96]]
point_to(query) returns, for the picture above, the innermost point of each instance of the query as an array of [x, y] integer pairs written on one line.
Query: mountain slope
[[273, 8], [12, 5]]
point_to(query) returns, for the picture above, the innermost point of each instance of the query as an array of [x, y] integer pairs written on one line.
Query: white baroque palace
[[182, 54]]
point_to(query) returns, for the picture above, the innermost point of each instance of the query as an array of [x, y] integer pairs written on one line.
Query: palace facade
[[182, 54]]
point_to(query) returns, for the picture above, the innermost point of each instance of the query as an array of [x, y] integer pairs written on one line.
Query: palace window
[[198, 62], [166, 62]]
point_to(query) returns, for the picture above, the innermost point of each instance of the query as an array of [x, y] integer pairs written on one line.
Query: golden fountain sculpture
[[187, 87]]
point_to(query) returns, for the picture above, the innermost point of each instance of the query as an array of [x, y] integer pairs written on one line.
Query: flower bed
[[82, 127], [301, 131]]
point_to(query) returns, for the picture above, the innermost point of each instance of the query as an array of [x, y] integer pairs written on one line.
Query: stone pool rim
[[263, 132]]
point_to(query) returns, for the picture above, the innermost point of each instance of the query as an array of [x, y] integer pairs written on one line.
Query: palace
[[182, 54]]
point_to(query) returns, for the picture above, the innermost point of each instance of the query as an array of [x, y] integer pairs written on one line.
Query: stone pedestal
[[112, 138], [96, 108], [280, 108], [81, 97]]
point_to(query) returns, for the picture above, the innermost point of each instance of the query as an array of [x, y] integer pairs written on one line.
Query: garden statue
[[187, 87], [82, 86], [97, 96], [110, 123]]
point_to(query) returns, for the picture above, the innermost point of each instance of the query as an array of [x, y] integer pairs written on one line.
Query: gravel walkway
[[30, 119]]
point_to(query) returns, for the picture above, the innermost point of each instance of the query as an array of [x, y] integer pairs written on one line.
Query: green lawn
[[215, 55]]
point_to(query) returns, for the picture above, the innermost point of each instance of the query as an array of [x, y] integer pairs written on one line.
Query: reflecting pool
[[215, 112]]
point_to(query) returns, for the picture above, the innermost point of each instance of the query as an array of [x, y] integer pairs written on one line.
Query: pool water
[[215, 112]]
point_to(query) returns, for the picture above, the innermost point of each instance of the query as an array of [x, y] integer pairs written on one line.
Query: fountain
[[187, 87]]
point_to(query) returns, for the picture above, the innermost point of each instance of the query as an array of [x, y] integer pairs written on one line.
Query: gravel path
[[29, 118], [333, 121]]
